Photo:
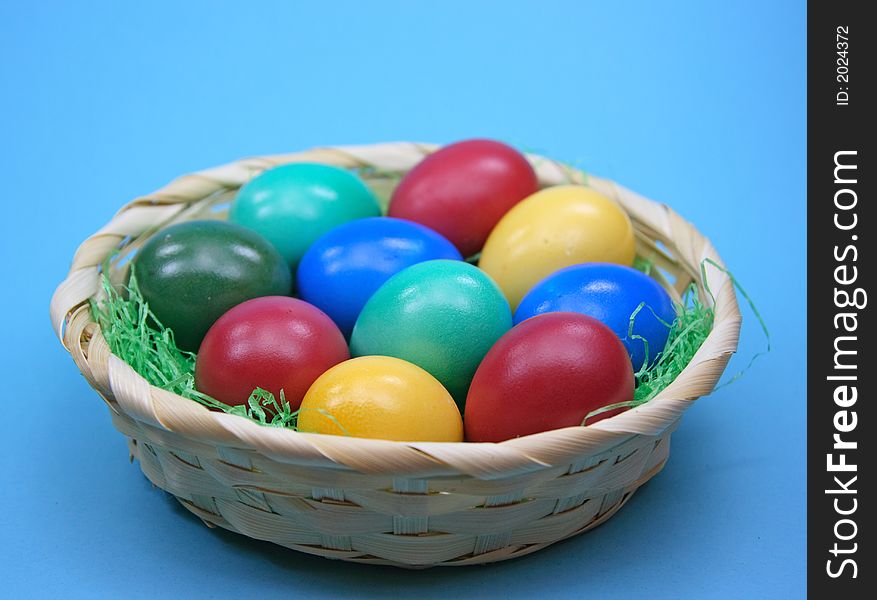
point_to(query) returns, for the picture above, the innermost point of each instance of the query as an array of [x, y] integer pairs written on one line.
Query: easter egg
[[555, 228], [611, 294], [344, 267], [191, 273], [463, 190], [546, 373], [383, 398], [275, 343], [441, 315], [292, 205]]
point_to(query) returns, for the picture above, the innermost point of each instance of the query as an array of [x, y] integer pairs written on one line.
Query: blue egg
[[609, 293], [344, 267]]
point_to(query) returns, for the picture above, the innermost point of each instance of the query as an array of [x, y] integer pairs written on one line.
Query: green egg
[[441, 315], [292, 205], [191, 273]]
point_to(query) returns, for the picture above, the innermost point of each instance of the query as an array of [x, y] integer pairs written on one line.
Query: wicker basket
[[374, 501]]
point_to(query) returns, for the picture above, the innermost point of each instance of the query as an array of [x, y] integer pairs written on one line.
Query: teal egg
[[441, 315], [292, 205]]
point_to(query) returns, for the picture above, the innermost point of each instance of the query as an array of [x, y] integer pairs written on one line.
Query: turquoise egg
[[292, 205], [441, 315]]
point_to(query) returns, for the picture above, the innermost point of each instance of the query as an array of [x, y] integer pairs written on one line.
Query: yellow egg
[[382, 398], [552, 229]]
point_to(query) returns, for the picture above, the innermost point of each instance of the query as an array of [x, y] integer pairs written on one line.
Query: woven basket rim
[[127, 392]]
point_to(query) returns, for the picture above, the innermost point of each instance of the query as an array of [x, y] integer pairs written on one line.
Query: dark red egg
[[463, 190], [548, 372], [274, 342]]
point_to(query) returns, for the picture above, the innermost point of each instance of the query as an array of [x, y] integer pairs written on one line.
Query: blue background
[[700, 105]]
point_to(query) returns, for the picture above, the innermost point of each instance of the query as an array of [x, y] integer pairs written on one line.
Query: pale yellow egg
[[552, 229]]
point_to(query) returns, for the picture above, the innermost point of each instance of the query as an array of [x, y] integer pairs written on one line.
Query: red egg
[[548, 372], [463, 190], [274, 342]]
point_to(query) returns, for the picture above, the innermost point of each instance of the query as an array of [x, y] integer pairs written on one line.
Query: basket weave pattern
[[411, 504]]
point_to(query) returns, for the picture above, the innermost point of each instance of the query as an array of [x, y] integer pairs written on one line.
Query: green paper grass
[[689, 329], [692, 325], [137, 337]]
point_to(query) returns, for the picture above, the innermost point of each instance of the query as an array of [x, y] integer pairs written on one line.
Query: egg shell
[[276, 343], [463, 190], [611, 294], [193, 272], [345, 266], [292, 205], [381, 397], [546, 373], [555, 228], [441, 315]]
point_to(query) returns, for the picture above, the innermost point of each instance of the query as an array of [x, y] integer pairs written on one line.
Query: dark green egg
[[192, 273]]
